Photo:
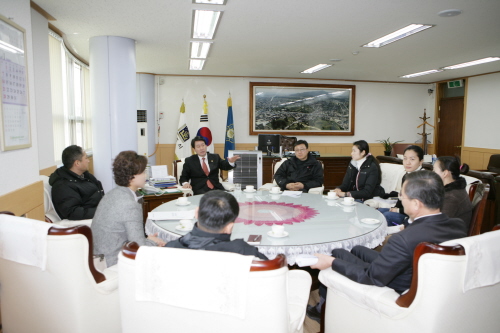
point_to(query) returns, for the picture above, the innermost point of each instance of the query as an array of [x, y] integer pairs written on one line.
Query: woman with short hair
[[118, 218]]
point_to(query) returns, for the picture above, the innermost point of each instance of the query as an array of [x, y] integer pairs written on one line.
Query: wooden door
[[451, 119]]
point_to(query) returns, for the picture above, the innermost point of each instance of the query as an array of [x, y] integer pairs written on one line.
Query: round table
[[314, 223]]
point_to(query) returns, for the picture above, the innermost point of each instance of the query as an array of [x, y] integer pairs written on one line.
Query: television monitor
[[270, 143]]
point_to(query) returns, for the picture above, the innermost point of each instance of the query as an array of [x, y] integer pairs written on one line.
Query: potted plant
[[388, 145]]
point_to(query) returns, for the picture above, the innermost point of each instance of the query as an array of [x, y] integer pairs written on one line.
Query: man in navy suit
[[422, 197], [201, 171]]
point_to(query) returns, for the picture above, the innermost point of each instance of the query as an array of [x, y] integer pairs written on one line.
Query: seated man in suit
[[75, 191], [422, 196], [300, 172], [216, 215], [202, 169]]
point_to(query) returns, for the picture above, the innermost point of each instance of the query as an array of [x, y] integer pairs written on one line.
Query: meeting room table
[[313, 223]]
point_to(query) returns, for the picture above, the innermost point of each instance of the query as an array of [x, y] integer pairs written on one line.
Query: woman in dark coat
[[456, 198], [362, 179]]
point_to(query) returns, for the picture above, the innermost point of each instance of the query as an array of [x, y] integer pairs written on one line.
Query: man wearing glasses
[[422, 197], [300, 172]]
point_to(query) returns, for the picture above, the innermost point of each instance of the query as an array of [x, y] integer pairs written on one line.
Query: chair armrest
[[74, 223], [266, 187], [379, 300], [316, 190], [298, 288]]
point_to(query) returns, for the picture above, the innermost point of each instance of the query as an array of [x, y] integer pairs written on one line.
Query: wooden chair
[[478, 203], [68, 294], [276, 298]]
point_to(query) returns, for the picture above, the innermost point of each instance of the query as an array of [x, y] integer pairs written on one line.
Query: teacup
[[332, 195], [186, 224], [349, 200], [182, 200], [278, 230], [250, 188], [275, 189]]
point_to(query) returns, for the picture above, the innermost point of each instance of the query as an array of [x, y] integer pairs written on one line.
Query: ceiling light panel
[[473, 63], [315, 68], [399, 34], [196, 64], [205, 23], [199, 50], [432, 71], [211, 2]]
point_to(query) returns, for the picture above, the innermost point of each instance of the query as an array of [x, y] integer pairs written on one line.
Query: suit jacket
[[393, 266], [192, 171]]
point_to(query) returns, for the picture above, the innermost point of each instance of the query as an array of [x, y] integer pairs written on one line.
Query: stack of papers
[[293, 194]]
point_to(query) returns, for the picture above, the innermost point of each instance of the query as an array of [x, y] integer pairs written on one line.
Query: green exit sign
[[455, 84]]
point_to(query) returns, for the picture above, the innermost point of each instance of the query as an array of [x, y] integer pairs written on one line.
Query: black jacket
[[392, 267], [293, 170], [456, 201], [368, 180], [198, 239], [192, 171], [75, 198]]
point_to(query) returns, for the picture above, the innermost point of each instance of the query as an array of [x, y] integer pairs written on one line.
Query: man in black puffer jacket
[[75, 191], [300, 172]]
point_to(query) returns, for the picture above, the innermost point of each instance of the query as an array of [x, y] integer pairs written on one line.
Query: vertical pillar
[[113, 100]]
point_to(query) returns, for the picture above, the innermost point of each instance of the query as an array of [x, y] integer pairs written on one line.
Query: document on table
[[180, 215]]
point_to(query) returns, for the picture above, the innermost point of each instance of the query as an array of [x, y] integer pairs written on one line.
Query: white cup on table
[[186, 224], [332, 195], [249, 188], [275, 189], [349, 200], [278, 230], [182, 200]]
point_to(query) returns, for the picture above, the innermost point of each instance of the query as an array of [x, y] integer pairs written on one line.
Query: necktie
[[205, 170]]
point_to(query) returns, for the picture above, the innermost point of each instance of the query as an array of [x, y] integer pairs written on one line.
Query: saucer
[[247, 191], [270, 233], [275, 192], [370, 221], [182, 204], [346, 204], [181, 228], [328, 198]]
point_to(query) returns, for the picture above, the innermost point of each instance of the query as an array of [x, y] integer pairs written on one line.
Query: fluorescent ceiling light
[[199, 50], [315, 68], [472, 63], [205, 23], [397, 35], [196, 64], [10, 48], [421, 73], [211, 2]]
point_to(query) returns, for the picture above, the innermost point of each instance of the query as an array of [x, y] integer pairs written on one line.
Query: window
[[70, 98]]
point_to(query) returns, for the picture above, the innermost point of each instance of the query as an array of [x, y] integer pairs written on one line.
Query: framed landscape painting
[[301, 108]]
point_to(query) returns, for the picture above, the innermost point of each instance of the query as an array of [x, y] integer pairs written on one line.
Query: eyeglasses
[[300, 150]]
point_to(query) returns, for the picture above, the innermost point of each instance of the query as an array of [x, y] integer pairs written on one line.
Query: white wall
[[382, 109], [43, 103], [483, 112], [19, 168]]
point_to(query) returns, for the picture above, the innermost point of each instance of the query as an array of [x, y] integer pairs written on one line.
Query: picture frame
[[14, 100], [302, 108]]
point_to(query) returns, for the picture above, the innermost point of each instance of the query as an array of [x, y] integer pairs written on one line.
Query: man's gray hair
[[425, 186]]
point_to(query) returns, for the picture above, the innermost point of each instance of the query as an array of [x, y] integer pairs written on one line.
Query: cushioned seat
[[275, 298]]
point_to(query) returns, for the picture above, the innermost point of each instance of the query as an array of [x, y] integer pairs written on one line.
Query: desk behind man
[[75, 191], [422, 196], [201, 171], [300, 172]]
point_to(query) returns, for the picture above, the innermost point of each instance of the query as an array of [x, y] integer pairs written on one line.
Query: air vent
[[142, 116]]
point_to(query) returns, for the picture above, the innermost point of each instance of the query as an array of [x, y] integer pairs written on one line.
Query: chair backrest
[[266, 309], [70, 295], [392, 174], [50, 211], [479, 205], [399, 148], [494, 163]]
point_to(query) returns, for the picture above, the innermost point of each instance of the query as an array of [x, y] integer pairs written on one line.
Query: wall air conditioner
[[248, 169]]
